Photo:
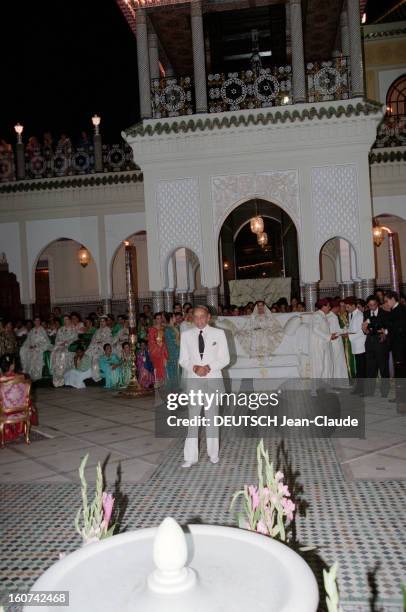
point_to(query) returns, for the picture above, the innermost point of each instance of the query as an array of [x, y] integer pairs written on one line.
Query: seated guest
[[177, 308], [142, 328], [77, 322], [121, 335], [145, 369], [282, 305], [8, 340], [109, 365], [33, 349], [301, 307], [61, 357], [82, 369], [101, 337], [293, 304]]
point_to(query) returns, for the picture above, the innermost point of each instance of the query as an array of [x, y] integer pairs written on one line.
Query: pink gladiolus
[[284, 489], [261, 528], [288, 507], [253, 491], [108, 503], [279, 476], [266, 495], [274, 499]]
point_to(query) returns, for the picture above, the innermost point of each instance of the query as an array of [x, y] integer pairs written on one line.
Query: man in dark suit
[[397, 342], [375, 327]]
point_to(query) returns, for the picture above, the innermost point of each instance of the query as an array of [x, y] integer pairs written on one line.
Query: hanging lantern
[[83, 256], [257, 225], [262, 239], [378, 236]]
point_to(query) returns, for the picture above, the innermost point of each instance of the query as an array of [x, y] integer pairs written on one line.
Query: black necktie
[[201, 344]]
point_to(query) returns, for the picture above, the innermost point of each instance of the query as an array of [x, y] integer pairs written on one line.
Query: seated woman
[[61, 357], [126, 365], [8, 372], [33, 349], [82, 369], [100, 338], [145, 369], [109, 366]]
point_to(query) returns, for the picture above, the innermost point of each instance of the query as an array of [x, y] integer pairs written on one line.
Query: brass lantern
[[83, 256], [257, 225], [262, 239], [378, 235]]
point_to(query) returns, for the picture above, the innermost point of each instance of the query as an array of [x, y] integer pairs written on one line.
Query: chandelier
[[83, 256], [262, 239], [257, 222]]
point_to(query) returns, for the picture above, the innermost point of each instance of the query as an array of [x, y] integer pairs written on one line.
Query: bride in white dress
[[261, 334]]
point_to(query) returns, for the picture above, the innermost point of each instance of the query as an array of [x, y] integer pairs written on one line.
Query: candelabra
[[133, 389]]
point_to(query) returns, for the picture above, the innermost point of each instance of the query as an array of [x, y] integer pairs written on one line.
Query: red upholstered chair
[[15, 406]]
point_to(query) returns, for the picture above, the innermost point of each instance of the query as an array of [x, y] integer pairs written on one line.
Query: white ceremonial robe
[[32, 352], [216, 355], [340, 370], [321, 356], [61, 357], [95, 349]]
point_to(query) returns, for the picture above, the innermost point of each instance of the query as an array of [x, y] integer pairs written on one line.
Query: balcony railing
[[328, 80], [391, 132], [246, 89], [171, 97], [45, 163]]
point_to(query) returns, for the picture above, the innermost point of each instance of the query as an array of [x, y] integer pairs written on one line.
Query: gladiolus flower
[[253, 491], [279, 476], [289, 507], [261, 528], [108, 503]]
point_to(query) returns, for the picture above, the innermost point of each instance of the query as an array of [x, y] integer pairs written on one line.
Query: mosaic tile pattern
[[361, 524]]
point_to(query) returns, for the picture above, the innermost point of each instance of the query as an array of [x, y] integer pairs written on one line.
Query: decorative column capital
[[196, 8]]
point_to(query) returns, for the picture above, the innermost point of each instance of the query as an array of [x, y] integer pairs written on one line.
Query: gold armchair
[[15, 405]]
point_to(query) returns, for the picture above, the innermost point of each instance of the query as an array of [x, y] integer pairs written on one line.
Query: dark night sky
[[63, 61]]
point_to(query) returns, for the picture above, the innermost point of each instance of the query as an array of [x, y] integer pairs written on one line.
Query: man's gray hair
[[201, 307]]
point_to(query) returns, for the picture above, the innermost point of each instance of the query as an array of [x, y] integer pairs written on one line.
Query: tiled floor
[[352, 503]]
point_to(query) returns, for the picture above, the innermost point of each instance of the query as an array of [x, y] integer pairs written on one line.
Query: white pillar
[[199, 60], [354, 26], [153, 52], [345, 35], [298, 65], [144, 83], [182, 283]]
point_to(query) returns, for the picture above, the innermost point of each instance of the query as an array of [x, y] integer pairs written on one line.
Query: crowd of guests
[[371, 334]]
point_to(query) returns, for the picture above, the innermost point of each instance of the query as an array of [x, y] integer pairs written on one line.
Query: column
[[213, 299], [354, 28], [153, 52], [358, 288], [157, 301], [20, 161], [98, 152], [169, 298], [368, 287], [345, 35], [311, 296], [182, 296], [28, 311], [107, 306], [394, 277], [298, 65], [199, 60], [144, 83]]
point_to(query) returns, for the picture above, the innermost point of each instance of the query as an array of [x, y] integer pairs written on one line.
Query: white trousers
[[191, 449]]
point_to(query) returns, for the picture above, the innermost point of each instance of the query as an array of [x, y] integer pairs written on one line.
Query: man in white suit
[[203, 355], [357, 340]]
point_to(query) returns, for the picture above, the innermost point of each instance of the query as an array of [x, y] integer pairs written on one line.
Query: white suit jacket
[[357, 337], [216, 354]]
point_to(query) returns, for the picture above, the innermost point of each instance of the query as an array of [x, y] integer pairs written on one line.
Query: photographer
[[375, 326], [397, 339]]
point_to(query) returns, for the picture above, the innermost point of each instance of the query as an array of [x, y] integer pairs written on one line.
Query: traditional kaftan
[[172, 340], [122, 335], [125, 371], [111, 376], [61, 357], [77, 375], [145, 369], [321, 356], [339, 362], [261, 334], [158, 352], [349, 357], [32, 352], [95, 349]]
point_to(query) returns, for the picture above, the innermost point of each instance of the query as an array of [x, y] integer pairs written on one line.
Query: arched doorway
[[243, 258], [338, 267], [138, 242], [65, 276], [183, 275]]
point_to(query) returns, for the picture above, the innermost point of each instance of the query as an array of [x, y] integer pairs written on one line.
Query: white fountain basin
[[236, 571]]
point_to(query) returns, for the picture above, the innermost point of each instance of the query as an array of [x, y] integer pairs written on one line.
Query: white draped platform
[[289, 360]]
